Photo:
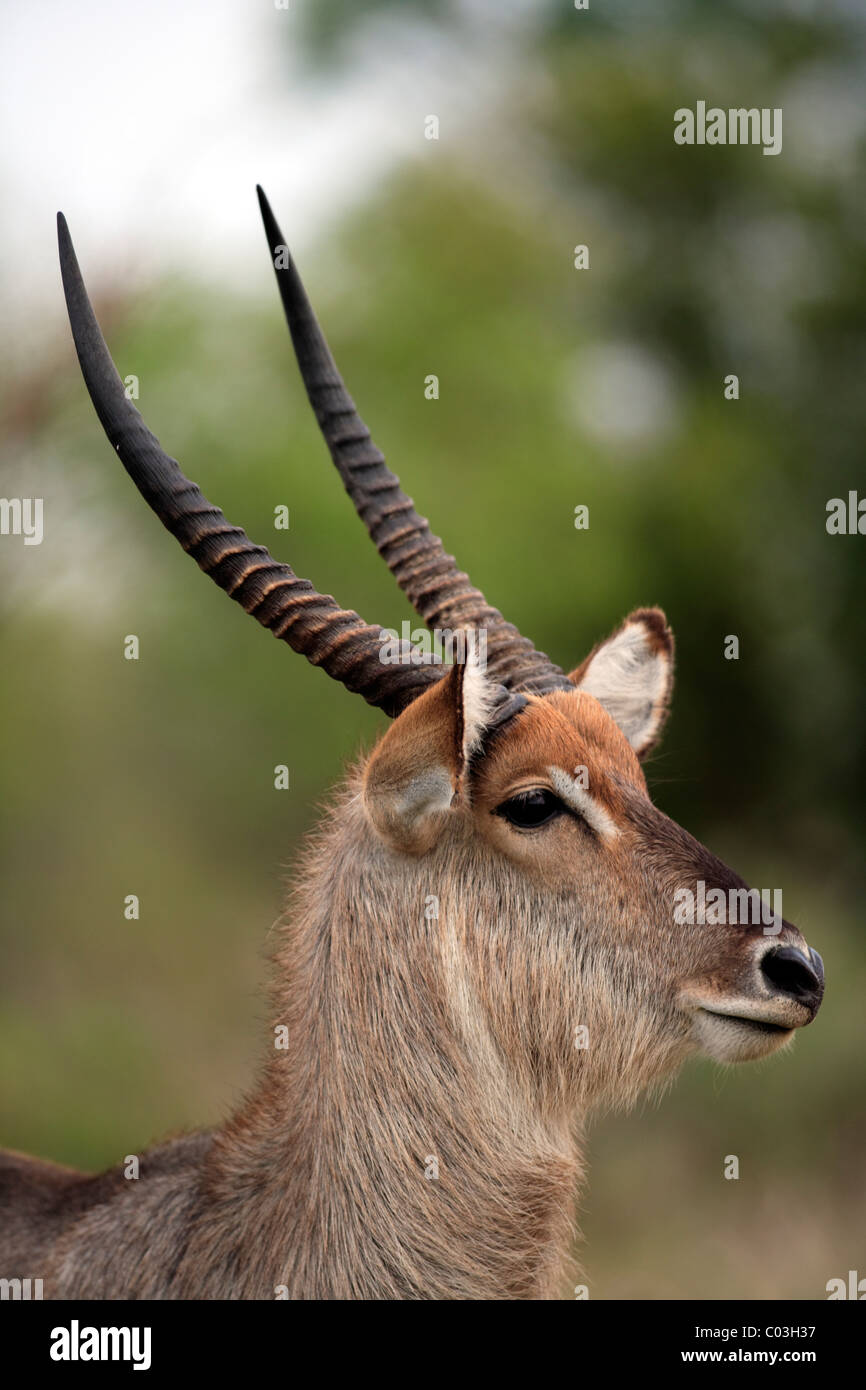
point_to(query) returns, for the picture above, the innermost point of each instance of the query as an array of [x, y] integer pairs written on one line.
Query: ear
[[631, 674], [418, 768]]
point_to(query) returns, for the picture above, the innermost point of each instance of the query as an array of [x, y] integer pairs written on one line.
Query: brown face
[[564, 838], [561, 796], [602, 942]]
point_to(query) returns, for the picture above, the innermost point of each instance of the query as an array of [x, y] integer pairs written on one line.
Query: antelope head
[[508, 797]]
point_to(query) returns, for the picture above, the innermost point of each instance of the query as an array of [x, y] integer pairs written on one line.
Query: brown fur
[[417, 1035]]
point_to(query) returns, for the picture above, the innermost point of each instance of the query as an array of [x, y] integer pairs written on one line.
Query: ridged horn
[[439, 592], [313, 624]]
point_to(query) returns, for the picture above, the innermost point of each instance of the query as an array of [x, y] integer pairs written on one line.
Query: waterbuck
[[484, 944]]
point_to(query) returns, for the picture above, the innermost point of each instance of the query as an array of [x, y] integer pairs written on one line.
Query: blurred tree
[[704, 262], [557, 387]]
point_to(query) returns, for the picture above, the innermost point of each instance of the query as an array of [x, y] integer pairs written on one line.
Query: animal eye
[[531, 809]]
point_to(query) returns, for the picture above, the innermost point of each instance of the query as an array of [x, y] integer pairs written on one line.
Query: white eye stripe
[[569, 790]]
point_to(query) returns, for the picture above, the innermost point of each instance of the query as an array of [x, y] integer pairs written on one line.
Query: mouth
[[736, 1037], [784, 994], [759, 1025]]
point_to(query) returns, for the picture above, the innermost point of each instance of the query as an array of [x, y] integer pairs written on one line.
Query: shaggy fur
[[421, 1136]]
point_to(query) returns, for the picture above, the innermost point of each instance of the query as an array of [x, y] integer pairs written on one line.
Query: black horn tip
[[70, 273], [64, 239], [272, 227]]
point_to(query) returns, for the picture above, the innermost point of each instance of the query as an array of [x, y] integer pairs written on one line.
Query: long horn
[[440, 592], [313, 624]]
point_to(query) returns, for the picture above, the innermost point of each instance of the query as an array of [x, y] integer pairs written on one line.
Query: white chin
[[727, 1039]]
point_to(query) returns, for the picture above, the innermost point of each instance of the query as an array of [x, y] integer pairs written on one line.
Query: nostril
[[791, 972]]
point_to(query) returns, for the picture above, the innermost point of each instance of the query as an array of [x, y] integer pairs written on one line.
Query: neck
[[387, 1153]]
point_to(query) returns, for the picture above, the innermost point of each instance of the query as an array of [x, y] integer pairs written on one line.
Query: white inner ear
[[406, 794], [630, 678], [479, 698], [427, 792]]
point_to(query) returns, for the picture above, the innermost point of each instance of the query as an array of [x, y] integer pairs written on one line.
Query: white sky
[[149, 124], [150, 121]]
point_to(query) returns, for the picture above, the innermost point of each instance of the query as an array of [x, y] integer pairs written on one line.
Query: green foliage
[[156, 777]]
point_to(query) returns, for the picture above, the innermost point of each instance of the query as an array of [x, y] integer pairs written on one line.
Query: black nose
[[790, 971]]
